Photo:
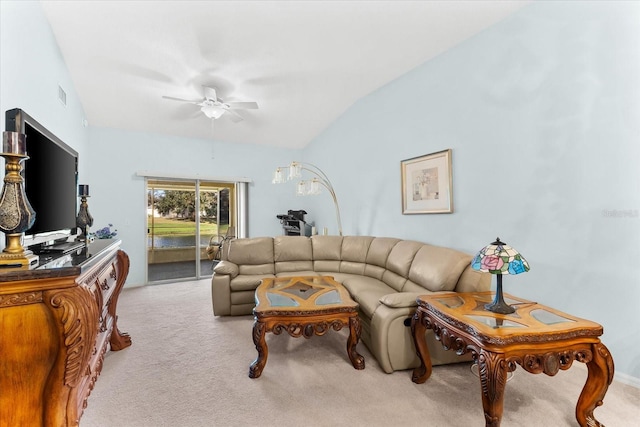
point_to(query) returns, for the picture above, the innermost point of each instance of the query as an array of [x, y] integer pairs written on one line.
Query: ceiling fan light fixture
[[212, 111], [213, 107]]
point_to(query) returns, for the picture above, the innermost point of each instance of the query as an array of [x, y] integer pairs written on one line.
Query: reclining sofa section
[[383, 275]]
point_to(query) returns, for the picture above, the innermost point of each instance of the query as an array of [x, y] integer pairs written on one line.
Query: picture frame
[[427, 184]]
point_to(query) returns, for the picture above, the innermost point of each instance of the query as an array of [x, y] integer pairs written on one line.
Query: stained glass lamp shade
[[499, 258]]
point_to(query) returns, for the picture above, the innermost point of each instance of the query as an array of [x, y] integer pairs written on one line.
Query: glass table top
[[303, 293], [548, 318], [529, 317], [280, 300], [495, 323]]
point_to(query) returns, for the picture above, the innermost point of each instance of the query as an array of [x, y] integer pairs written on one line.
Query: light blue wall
[[118, 194], [31, 70], [542, 114]]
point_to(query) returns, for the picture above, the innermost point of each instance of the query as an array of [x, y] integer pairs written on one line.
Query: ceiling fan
[[214, 107]]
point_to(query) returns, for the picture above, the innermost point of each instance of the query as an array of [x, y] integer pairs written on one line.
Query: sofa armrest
[[390, 338], [226, 268], [221, 294], [401, 299]]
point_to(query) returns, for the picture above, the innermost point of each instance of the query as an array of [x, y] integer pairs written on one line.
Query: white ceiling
[[304, 62]]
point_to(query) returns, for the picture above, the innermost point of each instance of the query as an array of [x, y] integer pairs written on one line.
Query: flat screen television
[[50, 180]]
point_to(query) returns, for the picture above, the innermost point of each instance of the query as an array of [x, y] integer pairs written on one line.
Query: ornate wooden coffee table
[[303, 306], [538, 338]]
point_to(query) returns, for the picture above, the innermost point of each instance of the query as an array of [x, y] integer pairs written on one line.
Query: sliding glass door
[[183, 218], [217, 220]]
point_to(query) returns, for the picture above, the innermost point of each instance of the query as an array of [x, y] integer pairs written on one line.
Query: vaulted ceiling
[[303, 62]]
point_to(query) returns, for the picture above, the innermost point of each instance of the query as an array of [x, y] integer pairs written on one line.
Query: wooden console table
[[538, 338], [56, 323]]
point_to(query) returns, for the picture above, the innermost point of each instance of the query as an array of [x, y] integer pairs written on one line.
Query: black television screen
[[50, 180]]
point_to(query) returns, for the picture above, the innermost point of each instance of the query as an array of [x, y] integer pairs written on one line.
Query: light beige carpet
[[187, 368]]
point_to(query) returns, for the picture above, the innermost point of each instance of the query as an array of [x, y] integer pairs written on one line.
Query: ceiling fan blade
[[233, 116], [182, 100], [186, 111], [209, 93], [242, 105]]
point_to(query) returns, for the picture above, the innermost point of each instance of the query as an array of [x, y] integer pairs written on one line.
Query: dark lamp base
[[499, 305]]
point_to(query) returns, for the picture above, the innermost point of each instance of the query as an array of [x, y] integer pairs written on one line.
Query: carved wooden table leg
[[259, 330], [118, 340], [492, 368], [354, 336], [600, 375], [418, 330]]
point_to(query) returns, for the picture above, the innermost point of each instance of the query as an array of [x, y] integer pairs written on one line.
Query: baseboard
[[627, 379], [617, 376]]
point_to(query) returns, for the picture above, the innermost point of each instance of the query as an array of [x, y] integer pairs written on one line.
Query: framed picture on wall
[[427, 184]]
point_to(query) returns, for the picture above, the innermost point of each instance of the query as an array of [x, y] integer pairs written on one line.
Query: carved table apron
[[303, 306], [538, 338]]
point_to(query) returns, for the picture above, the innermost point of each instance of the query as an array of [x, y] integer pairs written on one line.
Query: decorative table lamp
[[84, 220], [499, 258], [16, 213]]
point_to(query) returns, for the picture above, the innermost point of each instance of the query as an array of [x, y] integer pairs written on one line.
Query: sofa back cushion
[[354, 254], [355, 248], [473, 281], [292, 253], [253, 255], [438, 269], [399, 262], [379, 251], [327, 252]]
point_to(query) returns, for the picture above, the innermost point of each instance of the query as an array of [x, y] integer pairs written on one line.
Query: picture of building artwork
[[425, 184]]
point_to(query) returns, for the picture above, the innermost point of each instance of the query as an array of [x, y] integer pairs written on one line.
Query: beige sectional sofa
[[383, 275]]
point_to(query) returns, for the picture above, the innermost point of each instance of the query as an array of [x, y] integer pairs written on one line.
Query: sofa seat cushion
[[338, 277], [301, 273], [293, 266], [327, 265], [367, 292], [244, 297], [246, 282]]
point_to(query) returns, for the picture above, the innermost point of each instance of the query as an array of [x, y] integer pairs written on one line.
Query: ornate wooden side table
[[536, 337], [303, 306]]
